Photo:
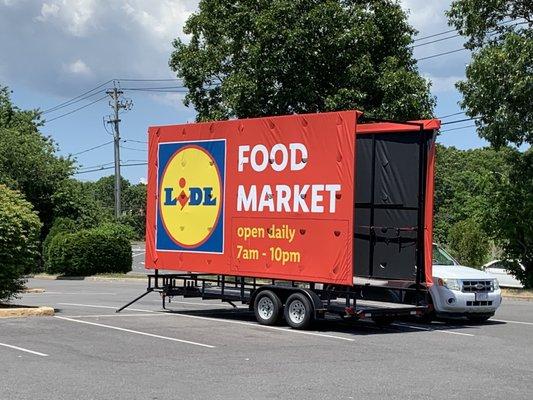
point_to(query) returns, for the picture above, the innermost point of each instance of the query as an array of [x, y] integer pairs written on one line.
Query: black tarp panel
[[394, 211]]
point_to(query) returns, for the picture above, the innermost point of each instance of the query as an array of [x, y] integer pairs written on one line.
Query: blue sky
[[55, 50]]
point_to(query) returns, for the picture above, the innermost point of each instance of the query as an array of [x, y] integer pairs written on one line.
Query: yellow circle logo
[[190, 196]]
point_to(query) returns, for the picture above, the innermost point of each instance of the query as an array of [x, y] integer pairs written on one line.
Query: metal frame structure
[[345, 301]]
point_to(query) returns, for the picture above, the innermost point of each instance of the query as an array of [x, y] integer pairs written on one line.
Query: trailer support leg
[[230, 302], [134, 300]]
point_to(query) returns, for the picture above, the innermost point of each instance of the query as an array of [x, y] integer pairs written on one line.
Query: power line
[[453, 30], [75, 98], [78, 97], [92, 148], [434, 35], [134, 141], [441, 54], [149, 80], [76, 109], [73, 102], [155, 88], [460, 120], [459, 127], [95, 166], [451, 115], [434, 41], [132, 148], [489, 34], [105, 168]]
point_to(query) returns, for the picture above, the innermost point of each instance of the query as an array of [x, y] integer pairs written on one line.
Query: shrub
[[90, 251], [19, 241], [60, 225]]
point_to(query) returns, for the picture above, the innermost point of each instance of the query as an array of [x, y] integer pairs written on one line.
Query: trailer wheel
[[267, 308], [298, 311]]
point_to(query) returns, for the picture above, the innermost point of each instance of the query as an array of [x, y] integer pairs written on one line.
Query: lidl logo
[[191, 196]]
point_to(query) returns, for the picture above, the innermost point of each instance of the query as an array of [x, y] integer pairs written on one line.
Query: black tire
[[267, 308], [479, 318], [298, 311]]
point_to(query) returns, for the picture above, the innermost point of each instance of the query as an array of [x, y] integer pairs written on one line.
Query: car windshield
[[440, 257]]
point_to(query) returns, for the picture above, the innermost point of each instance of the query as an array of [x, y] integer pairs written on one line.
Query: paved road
[[138, 252], [206, 350]]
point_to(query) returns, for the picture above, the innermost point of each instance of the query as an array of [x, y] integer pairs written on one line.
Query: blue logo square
[[190, 202]]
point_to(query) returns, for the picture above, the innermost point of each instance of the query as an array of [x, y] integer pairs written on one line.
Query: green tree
[[465, 182], [12, 117], [498, 90], [28, 160], [97, 203], [19, 241], [134, 209], [76, 200], [469, 243], [510, 216], [271, 57]]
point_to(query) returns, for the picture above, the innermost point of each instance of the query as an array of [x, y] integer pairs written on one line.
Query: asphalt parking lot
[[207, 350]]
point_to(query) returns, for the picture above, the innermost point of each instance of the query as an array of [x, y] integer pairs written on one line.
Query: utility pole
[[117, 104]]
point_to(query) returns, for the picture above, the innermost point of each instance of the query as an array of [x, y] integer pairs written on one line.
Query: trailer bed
[[232, 289]]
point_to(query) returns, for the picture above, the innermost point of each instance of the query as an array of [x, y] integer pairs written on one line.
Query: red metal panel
[[268, 197], [387, 127], [428, 217]]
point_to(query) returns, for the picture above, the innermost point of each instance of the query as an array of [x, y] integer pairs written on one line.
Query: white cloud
[[96, 40], [91, 40], [77, 67], [143, 180], [48, 11], [73, 16], [427, 16], [169, 99]]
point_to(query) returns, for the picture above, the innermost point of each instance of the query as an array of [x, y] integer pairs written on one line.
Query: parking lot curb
[[132, 278], [511, 297], [23, 311], [33, 290]]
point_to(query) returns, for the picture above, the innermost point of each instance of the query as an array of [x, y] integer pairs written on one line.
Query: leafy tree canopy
[[465, 182], [28, 160], [271, 57], [510, 215], [19, 240], [498, 90]]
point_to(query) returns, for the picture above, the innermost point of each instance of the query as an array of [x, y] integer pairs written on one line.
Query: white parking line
[[107, 307], [138, 254], [136, 332], [512, 322], [75, 293], [420, 328], [114, 315], [23, 349], [229, 321]]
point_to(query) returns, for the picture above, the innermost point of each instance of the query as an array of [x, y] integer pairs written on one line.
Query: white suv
[[461, 291]]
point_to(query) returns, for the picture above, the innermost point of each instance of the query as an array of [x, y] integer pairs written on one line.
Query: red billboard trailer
[[314, 199]]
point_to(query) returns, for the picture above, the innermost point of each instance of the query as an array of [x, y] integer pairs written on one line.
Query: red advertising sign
[[267, 197]]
